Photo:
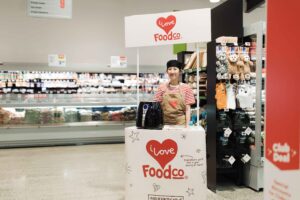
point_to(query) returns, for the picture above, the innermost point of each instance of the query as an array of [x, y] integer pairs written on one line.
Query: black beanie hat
[[174, 63]]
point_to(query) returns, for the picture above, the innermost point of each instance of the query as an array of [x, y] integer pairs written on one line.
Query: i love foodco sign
[[168, 28], [165, 164], [163, 153]]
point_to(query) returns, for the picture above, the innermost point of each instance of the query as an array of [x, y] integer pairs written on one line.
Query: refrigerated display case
[[39, 109]]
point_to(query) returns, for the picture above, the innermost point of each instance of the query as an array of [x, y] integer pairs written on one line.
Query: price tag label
[[227, 132], [235, 44], [248, 44], [231, 160], [248, 131], [246, 158]]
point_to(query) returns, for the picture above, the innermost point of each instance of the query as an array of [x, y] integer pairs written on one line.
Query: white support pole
[[198, 78], [138, 76]]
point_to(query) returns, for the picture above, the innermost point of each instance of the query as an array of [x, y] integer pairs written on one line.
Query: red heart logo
[[164, 152], [173, 103], [166, 23]]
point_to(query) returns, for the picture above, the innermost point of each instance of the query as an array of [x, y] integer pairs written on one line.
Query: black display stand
[[226, 20]]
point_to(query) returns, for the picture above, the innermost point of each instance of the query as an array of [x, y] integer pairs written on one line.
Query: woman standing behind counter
[[175, 97]]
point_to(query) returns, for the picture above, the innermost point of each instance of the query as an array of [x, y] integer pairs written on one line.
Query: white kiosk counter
[[168, 164]]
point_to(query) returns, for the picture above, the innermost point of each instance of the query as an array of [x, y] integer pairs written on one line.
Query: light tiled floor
[[74, 173]]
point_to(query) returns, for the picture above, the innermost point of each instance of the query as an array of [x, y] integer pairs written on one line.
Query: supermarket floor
[[76, 173]]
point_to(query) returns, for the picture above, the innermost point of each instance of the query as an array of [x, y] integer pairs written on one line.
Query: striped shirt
[[188, 95]]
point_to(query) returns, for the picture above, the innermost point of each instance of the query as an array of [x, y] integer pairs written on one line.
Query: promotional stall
[[169, 163]]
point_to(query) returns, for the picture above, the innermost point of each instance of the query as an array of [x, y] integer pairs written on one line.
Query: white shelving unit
[[254, 173]]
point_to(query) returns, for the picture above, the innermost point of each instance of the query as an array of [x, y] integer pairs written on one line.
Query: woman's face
[[173, 73]]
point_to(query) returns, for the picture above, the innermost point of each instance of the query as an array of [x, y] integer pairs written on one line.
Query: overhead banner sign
[[188, 26], [165, 164], [50, 8]]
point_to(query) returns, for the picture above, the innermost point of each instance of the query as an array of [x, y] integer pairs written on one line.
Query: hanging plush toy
[[222, 64], [241, 67], [247, 65], [233, 71], [221, 98]]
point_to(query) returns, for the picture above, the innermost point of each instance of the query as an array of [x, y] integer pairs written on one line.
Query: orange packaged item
[[221, 97]]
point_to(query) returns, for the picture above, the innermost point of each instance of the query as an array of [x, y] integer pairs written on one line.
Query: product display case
[[49, 108]]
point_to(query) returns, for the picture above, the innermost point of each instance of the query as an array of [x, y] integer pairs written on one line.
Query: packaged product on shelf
[[71, 115], [116, 115], [17, 117], [85, 115], [105, 116], [46, 116], [58, 116], [129, 114], [96, 116], [4, 116], [32, 116]]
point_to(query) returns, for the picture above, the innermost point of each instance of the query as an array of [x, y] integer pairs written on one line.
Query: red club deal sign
[[168, 28], [165, 164]]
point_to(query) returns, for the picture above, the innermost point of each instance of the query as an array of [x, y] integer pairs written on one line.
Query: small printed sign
[[246, 158], [118, 61], [231, 160], [57, 60], [227, 132], [248, 131], [50, 8]]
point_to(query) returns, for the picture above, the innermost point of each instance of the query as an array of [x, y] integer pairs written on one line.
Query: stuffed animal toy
[[246, 64], [233, 71], [241, 68], [221, 98], [222, 56], [222, 64]]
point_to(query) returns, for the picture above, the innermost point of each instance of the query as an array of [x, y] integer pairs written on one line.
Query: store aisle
[[72, 173]]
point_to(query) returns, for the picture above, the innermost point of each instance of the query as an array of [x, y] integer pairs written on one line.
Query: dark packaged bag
[[223, 121], [241, 120]]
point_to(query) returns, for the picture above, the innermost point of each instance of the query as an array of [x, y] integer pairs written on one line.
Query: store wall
[[259, 14], [95, 32]]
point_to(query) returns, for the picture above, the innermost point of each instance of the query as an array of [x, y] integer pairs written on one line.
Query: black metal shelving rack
[[226, 20]]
